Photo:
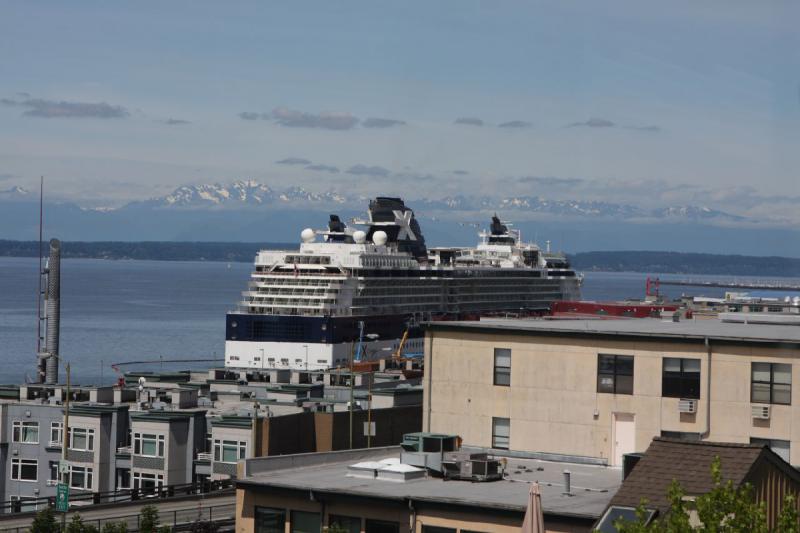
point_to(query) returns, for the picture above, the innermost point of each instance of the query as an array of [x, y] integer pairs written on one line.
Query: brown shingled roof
[[690, 463]]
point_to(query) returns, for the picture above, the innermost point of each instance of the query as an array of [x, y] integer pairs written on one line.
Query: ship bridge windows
[[308, 259]]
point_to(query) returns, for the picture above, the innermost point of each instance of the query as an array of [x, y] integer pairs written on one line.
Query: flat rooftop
[[641, 327], [592, 485]]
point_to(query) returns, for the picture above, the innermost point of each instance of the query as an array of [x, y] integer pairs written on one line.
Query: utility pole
[[62, 467], [352, 384], [369, 410], [254, 432]]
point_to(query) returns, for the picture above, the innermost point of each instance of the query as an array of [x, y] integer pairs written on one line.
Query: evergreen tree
[[149, 519], [45, 522], [77, 525], [115, 527]]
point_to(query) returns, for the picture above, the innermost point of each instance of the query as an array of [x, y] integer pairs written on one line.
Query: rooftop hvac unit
[[760, 412], [425, 450], [471, 467], [687, 406]]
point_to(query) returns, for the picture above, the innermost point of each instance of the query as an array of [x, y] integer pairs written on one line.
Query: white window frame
[[137, 477], [88, 477], [138, 443], [20, 429], [89, 434], [57, 428], [52, 468], [220, 445], [16, 469]]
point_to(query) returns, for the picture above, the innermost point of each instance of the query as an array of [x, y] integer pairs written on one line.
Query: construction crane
[[396, 354]]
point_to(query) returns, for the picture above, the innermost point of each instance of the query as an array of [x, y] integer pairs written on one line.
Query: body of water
[[118, 311]]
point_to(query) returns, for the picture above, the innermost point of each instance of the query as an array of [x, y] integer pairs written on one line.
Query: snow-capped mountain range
[[253, 195], [241, 193], [251, 211], [14, 192]]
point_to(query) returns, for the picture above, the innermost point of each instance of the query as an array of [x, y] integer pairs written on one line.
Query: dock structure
[[771, 285]]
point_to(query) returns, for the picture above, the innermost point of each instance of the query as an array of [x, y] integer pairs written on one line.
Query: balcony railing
[[204, 456], [125, 450]]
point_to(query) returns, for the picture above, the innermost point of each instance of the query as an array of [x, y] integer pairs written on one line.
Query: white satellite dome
[[380, 238], [359, 237], [308, 235]]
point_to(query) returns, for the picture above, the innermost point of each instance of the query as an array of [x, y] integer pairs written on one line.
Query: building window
[[771, 383], [123, 480], [25, 431], [615, 374], [381, 526], [56, 433], [305, 522], [501, 433], [24, 504], [148, 444], [80, 477], [502, 367], [229, 451], [349, 524], [781, 447], [437, 529], [269, 520], [145, 481], [53, 467], [24, 469], [81, 439], [680, 378]]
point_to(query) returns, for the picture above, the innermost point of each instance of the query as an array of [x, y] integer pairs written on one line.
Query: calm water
[[117, 311]]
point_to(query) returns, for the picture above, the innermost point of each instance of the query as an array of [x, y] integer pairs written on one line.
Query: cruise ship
[[351, 294]]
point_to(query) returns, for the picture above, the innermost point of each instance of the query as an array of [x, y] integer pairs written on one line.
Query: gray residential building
[[31, 437]]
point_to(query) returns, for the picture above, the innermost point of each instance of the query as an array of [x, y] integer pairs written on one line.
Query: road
[[171, 512]]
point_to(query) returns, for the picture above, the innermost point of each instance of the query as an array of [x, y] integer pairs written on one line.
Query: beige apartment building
[[604, 388]]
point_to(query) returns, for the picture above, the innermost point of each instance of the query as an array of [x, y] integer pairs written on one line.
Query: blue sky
[[642, 101]]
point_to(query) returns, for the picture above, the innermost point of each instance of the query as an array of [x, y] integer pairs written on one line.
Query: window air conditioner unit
[[760, 411], [687, 406]]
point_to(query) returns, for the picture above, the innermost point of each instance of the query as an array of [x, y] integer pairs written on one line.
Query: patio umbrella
[[534, 519]]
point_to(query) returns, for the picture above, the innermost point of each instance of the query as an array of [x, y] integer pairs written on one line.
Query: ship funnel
[[48, 363]]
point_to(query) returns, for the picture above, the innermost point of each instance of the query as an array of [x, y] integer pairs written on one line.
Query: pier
[[772, 285]]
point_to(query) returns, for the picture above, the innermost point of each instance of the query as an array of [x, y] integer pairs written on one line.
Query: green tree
[[724, 509], [149, 519], [115, 527], [788, 519], [45, 522], [77, 525]]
